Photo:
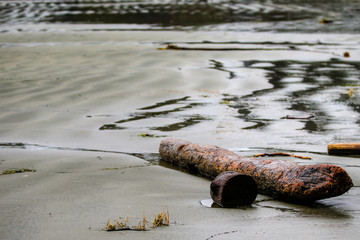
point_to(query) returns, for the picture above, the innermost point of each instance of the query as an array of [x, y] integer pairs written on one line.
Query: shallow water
[[316, 92], [239, 15]]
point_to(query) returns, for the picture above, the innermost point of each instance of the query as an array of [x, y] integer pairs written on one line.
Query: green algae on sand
[[16, 170]]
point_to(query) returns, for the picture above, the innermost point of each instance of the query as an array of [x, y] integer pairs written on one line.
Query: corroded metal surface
[[281, 179]]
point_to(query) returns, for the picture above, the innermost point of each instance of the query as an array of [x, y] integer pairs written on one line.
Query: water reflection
[[189, 121], [174, 106], [317, 209], [220, 66], [333, 208], [308, 94], [317, 89]]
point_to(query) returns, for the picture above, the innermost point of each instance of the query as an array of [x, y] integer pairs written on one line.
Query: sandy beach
[[86, 110]]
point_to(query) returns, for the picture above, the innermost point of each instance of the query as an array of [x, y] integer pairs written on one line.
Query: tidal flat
[[84, 106], [60, 90]]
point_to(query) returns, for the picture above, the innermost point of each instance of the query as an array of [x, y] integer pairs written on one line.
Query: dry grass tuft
[[121, 224], [162, 219]]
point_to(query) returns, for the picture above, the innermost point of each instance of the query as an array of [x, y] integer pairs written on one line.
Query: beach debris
[[145, 135], [169, 47], [122, 224], [161, 219], [150, 135], [141, 226], [233, 189], [343, 149], [16, 170], [300, 116], [176, 47], [346, 54], [350, 92], [117, 226], [325, 21], [226, 102], [280, 179], [280, 154]]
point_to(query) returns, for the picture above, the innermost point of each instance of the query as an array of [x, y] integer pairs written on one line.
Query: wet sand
[[58, 89]]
